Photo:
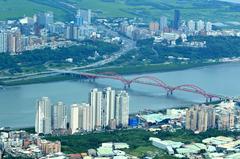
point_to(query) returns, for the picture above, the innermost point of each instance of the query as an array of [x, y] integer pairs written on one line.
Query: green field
[[138, 69], [138, 140], [212, 10], [11, 9], [190, 9]]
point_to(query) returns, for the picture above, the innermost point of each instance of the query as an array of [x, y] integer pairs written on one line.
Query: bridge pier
[[92, 80], [169, 93], [208, 99], [127, 86]]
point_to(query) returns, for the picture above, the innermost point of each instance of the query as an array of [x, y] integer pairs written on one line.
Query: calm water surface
[[231, 1], [17, 104]]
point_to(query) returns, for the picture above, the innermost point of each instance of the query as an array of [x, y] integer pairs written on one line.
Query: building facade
[[59, 116], [200, 118], [43, 116], [106, 109]]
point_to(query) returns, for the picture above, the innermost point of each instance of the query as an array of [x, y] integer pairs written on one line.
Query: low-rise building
[[167, 145], [50, 147]]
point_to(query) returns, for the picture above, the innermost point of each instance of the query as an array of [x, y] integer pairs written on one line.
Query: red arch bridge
[[148, 80]]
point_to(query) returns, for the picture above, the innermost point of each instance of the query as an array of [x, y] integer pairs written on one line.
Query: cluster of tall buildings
[[15, 37], [107, 109], [133, 31], [44, 19], [137, 33], [163, 25], [83, 17], [199, 26], [50, 117], [42, 31], [11, 40], [201, 118], [81, 27], [190, 26], [226, 120]]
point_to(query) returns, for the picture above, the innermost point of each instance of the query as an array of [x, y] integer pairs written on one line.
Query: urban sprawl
[[107, 110], [41, 31]]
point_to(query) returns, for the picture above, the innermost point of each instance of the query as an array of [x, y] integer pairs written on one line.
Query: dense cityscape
[[108, 110], [42, 31], [122, 105]]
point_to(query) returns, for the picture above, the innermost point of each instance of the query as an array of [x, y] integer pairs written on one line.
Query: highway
[[128, 45]]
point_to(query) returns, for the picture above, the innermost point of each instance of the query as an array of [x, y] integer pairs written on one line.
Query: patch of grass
[[151, 9], [190, 9], [150, 68]]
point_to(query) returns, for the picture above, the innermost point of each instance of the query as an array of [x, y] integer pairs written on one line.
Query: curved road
[[127, 46]]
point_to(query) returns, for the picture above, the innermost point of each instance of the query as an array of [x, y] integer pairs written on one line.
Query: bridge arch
[[157, 81], [154, 81], [194, 87], [113, 75], [191, 89]]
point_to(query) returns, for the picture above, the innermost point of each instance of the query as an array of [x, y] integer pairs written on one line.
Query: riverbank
[[217, 79], [48, 79], [123, 70], [152, 68]]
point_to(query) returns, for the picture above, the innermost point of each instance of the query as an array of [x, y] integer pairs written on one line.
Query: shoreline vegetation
[[148, 58], [152, 68], [122, 70]]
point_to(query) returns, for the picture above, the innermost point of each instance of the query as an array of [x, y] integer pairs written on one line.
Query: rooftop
[[153, 118], [217, 140]]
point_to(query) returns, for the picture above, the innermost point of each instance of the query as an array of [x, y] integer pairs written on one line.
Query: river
[[231, 1], [17, 104]]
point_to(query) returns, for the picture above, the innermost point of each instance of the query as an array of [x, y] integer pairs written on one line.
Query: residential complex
[[43, 120], [42, 31], [201, 118], [106, 109], [59, 116], [21, 144]]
